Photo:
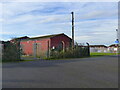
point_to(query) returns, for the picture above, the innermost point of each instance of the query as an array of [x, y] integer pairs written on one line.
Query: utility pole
[[72, 29], [117, 41], [117, 33]]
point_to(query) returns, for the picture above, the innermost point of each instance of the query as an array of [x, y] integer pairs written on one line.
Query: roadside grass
[[101, 54], [91, 55], [64, 58], [10, 61], [27, 56]]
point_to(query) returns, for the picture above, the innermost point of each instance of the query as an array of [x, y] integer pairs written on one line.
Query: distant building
[[98, 48], [113, 48], [104, 49]]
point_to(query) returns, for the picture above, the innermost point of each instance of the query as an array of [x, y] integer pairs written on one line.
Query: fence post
[[88, 49], [34, 50], [49, 50]]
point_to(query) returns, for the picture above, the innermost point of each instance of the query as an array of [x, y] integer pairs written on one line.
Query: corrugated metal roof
[[47, 36], [20, 38], [40, 37]]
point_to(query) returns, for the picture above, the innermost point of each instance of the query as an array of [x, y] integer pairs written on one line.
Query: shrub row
[[10, 52], [71, 53]]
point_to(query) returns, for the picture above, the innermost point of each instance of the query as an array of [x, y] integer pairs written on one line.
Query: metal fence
[[78, 51]]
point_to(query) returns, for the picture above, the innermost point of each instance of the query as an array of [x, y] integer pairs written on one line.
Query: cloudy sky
[[95, 22]]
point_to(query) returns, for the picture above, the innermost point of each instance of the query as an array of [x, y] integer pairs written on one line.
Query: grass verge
[[10, 61], [101, 54]]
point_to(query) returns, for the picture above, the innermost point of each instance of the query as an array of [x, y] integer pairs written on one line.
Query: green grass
[[10, 61], [91, 55], [101, 54], [28, 56], [65, 58]]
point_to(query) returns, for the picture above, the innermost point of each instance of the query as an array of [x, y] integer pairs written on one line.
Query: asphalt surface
[[95, 72]]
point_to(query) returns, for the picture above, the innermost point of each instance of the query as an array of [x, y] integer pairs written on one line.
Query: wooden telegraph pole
[[117, 42], [117, 33], [72, 29]]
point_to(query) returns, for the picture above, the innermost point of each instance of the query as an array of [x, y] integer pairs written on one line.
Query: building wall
[[32, 47], [55, 41], [27, 47]]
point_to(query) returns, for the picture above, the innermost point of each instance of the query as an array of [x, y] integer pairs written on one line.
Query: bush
[[70, 53], [10, 52]]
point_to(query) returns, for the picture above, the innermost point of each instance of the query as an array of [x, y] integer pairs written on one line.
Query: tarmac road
[[94, 72]]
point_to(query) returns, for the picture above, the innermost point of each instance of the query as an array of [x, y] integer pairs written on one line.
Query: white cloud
[[92, 22], [99, 14], [38, 19], [1, 19], [14, 13], [60, 0], [78, 38], [20, 19], [96, 31], [15, 8], [6, 33], [55, 18]]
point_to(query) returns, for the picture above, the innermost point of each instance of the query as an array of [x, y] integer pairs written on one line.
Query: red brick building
[[41, 46]]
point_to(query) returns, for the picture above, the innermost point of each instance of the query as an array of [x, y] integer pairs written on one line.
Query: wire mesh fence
[[78, 51]]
